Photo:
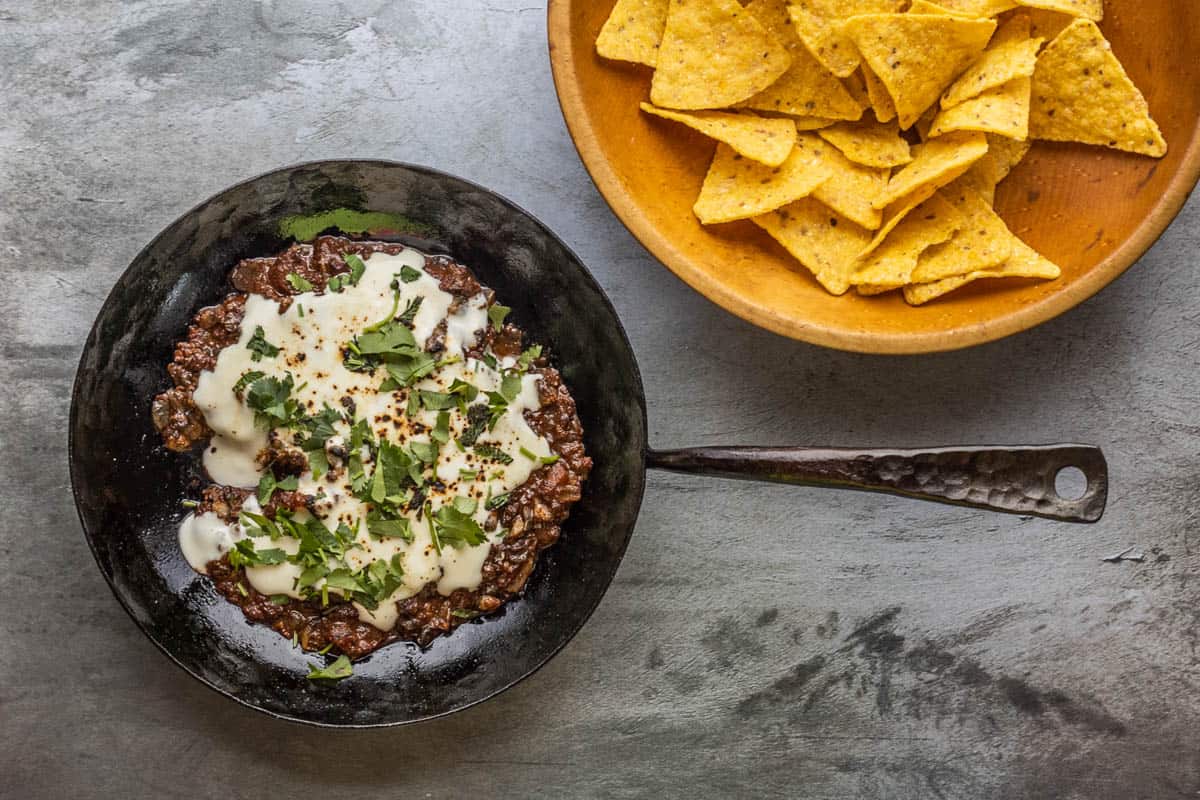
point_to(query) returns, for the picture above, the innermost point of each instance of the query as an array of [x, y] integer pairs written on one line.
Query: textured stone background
[[758, 640]]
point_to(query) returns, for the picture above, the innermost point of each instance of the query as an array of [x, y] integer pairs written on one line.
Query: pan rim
[[110, 302]]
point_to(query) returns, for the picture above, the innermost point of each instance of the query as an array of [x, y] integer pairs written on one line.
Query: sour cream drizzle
[[310, 336]]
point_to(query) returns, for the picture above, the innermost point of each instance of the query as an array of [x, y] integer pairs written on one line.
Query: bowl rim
[[141, 625], [1022, 318]]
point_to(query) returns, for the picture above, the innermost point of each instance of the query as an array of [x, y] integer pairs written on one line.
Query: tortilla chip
[[1082, 94], [739, 188], [1088, 9], [894, 214], [977, 8], [819, 238], [982, 178], [917, 56], [1007, 154], [634, 31], [935, 163], [1003, 111], [807, 88], [924, 7], [1025, 262], [881, 101], [1005, 60], [931, 223], [872, 144], [1047, 24], [714, 54], [857, 87], [819, 24], [851, 188], [811, 123], [983, 242], [769, 141]]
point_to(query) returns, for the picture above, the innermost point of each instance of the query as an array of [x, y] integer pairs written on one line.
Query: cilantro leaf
[[410, 311], [455, 526], [497, 314], [384, 528], [243, 554], [299, 282], [246, 379], [259, 346], [528, 357], [408, 274], [267, 486], [272, 403], [338, 670], [357, 267]]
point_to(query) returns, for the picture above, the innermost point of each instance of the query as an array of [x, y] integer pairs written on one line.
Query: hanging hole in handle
[[1070, 483]]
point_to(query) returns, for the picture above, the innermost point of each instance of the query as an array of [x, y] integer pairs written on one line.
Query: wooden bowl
[[1092, 211]]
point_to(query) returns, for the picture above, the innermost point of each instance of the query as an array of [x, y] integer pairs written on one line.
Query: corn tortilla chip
[[1003, 111], [894, 214], [977, 8], [738, 188], [807, 88], [769, 141], [872, 144], [1025, 262], [935, 163], [982, 242], [851, 188], [820, 26], [856, 85], [1082, 94], [714, 54], [1088, 9], [634, 31], [1004, 61], [1007, 154], [925, 7], [931, 223], [881, 101], [819, 238], [811, 123], [917, 56]]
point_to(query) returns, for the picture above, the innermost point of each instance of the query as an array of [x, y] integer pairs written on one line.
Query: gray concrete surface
[[758, 641]]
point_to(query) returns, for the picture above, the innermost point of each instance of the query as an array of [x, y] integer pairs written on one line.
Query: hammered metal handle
[[1016, 480]]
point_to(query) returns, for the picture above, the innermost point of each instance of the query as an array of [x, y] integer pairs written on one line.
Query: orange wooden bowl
[[1092, 211]]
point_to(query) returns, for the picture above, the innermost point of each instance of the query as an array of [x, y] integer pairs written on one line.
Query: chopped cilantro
[[455, 526], [338, 670], [382, 528], [271, 400], [463, 613], [528, 357], [280, 599], [497, 314], [259, 346], [408, 274], [299, 282], [410, 311], [246, 379], [441, 432], [267, 486], [244, 554], [436, 401]]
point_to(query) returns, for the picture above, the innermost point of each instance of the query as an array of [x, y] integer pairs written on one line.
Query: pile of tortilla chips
[[868, 136]]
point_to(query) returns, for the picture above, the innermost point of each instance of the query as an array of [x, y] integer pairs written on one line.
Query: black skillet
[[128, 488]]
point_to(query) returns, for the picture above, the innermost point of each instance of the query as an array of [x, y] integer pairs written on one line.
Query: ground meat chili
[[532, 516]]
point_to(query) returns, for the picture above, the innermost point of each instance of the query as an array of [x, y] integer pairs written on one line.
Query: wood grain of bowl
[[1093, 211]]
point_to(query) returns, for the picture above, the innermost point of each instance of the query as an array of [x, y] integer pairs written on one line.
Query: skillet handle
[[1016, 480]]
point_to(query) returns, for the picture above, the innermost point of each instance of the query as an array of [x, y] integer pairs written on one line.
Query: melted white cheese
[[310, 335]]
